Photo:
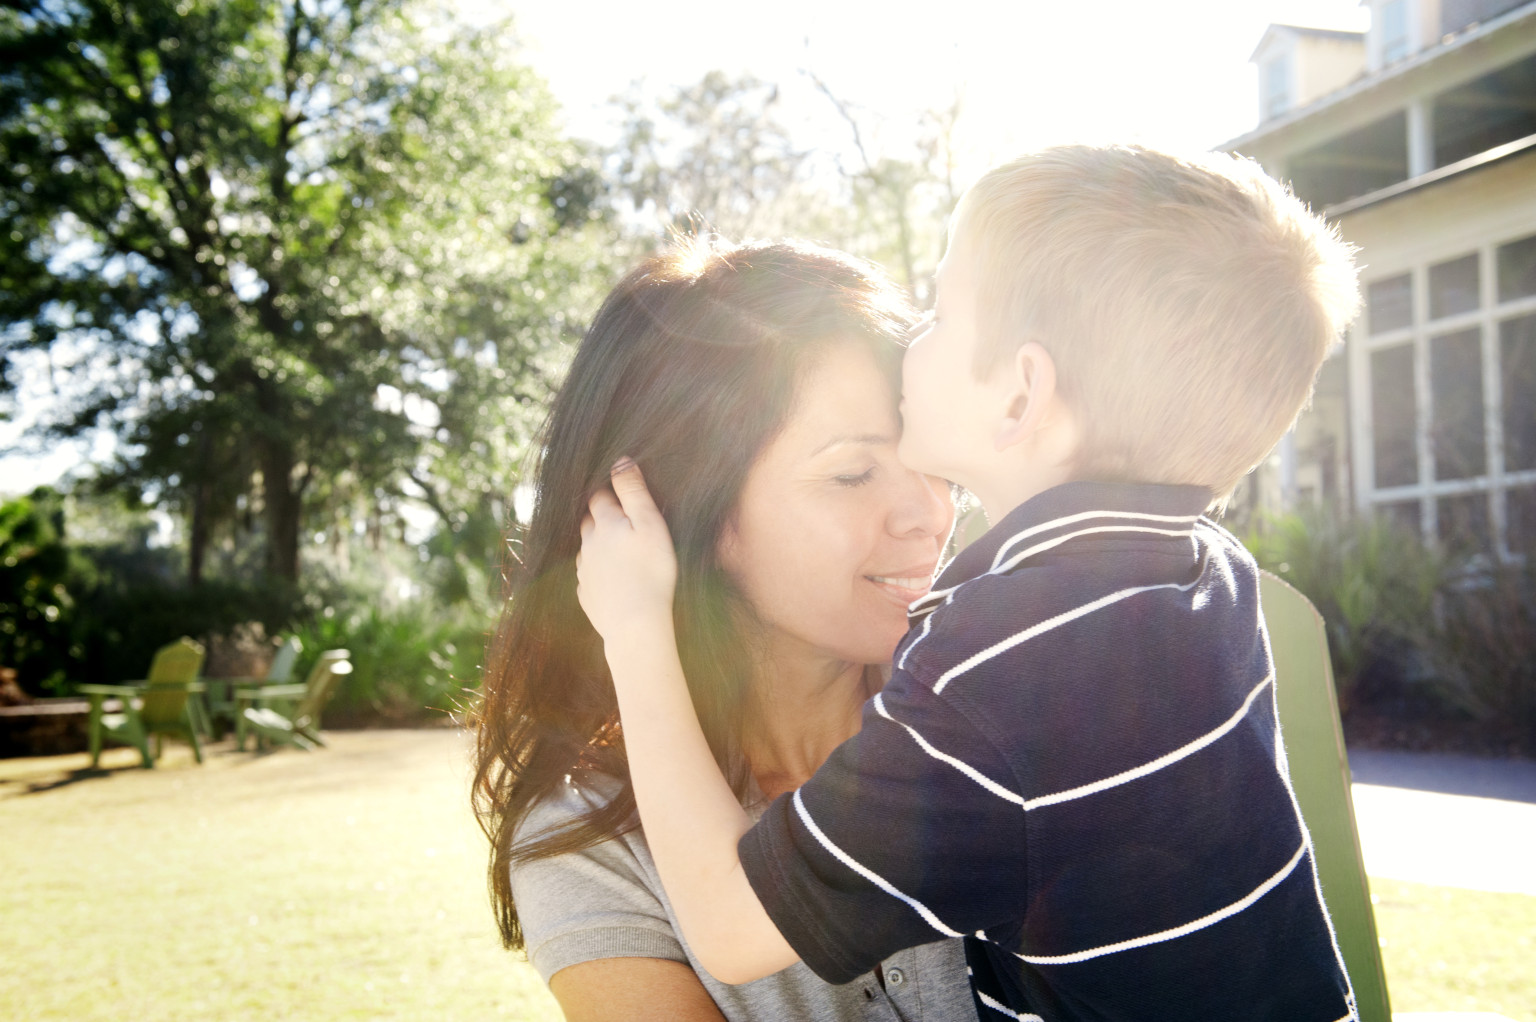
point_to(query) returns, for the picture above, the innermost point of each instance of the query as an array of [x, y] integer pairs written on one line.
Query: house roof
[[1388, 77], [1476, 162], [1304, 30]]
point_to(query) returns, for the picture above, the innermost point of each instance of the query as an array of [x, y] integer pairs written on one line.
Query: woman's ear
[[1028, 391], [728, 547]]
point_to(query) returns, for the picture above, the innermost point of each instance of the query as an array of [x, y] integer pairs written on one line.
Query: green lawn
[[1448, 949], [348, 884], [342, 884]]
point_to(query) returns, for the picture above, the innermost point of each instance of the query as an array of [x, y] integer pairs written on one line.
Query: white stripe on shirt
[[1047, 625], [1084, 516], [1158, 763], [869, 874], [997, 559], [1093, 787], [1178, 931], [960, 765], [1003, 1009]]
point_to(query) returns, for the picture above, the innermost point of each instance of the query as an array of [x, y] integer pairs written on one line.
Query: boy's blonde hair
[[1186, 301]]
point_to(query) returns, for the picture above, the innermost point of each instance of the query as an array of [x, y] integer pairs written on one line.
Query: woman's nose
[[925, 508]]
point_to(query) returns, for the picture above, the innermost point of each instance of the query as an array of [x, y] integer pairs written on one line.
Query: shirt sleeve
[[588, 905], [911, 830]]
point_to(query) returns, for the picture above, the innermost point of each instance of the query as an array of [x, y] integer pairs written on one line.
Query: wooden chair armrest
[[270, 692], [109, 690]]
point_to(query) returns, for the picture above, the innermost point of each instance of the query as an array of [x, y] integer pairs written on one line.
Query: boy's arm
[[626, 573]]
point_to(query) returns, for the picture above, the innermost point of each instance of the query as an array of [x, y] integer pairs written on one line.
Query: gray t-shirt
[[607, 902]]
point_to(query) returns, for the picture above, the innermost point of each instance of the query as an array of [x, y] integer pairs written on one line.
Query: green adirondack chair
[[1319, 766], [163, 704], [224, 708], [290, 714]]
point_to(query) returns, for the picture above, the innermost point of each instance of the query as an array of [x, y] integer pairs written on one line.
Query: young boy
[[1076, 761]]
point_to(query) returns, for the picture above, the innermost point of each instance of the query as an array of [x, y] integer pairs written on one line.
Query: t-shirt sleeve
[[587, 905], [912, 830]]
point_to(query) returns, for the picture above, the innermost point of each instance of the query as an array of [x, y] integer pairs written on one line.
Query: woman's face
[[832, 537]]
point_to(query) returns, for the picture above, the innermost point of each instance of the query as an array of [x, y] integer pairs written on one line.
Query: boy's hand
[[627, 570]]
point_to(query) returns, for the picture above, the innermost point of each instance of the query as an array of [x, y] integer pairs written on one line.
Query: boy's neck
[[999, 497]]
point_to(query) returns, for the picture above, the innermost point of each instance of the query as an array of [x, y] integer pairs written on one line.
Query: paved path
[[1453, 821]]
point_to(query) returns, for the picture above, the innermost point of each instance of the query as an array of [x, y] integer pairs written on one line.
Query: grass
[[348, 884], [343, 884], [1449, 949]]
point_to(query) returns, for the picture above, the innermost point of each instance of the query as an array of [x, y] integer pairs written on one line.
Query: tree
[[712, 154], [305, 254], [899, 205]]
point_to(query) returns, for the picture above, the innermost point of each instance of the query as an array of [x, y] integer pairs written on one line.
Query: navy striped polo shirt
[[1076, 764]]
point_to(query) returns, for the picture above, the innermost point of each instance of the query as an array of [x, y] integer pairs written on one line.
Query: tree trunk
[[283, 506], [197, 540]]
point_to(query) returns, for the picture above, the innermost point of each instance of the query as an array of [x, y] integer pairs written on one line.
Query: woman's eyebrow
[[861, 439]]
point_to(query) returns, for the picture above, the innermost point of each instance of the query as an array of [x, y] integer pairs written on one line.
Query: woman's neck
[[802, 709]]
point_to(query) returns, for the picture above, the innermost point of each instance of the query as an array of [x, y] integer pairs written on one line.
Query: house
[[1418, 139]]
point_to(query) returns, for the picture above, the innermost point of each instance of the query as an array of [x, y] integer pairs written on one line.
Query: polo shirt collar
[[1063, 508]]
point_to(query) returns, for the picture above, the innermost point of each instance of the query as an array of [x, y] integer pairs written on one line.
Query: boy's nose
[[926, 508]]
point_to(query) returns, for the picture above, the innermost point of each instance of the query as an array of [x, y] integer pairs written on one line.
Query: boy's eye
[[855, 480]]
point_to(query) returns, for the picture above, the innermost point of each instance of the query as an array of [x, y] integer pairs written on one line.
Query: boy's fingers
[[604, 506], [629, 486]]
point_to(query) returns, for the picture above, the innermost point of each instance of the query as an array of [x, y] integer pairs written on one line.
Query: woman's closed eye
[[851, 480]]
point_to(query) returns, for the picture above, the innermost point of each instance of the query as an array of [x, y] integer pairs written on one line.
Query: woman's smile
[[906, 585]]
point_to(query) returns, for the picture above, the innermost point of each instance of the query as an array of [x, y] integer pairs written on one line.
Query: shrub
[[1484, 651], [411, 661], [1374, 583], [36, 604]]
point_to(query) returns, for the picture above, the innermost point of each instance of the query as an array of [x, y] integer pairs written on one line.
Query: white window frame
[[1490, 313]]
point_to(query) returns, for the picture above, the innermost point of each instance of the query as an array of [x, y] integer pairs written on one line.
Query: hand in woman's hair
[[627, 570]]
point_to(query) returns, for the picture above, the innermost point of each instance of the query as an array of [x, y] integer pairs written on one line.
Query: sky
[[1026, 73]]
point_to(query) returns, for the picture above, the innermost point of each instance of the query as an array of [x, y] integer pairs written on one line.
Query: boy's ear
[[1028, 382]]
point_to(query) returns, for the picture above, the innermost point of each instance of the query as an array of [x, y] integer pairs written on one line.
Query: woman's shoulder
[[567, 803]]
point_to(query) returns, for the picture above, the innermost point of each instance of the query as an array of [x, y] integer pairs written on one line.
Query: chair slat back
[[323, 677], [179, 661], [1319, 768], [164, 704], [283, 662]]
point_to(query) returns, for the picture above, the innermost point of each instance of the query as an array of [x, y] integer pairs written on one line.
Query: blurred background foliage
[[1430, 647], [317, 265]]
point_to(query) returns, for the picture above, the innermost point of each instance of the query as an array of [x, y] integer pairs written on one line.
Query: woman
[[757, 388]]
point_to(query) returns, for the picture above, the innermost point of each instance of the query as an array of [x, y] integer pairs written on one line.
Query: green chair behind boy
[[1314, 747]]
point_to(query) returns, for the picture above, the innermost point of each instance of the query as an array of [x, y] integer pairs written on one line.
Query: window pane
[[1393, 412], [1462, 523], [1403, 514], [1521, 518], [1453, 287], [1277, 85], [1394, 31], [1389, 304], [1517, 269], [1517, 356], [1456, 382]]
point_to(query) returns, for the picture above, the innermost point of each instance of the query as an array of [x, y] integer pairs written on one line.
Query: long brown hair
[[690, 368]]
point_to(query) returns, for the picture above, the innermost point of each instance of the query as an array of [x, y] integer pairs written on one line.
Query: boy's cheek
[[914, 451]]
